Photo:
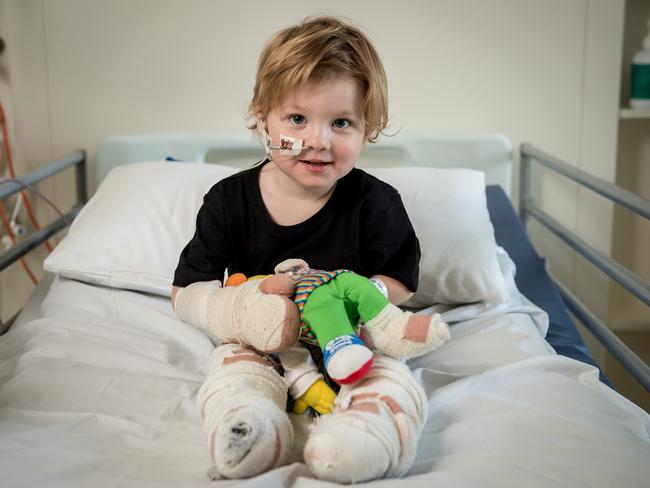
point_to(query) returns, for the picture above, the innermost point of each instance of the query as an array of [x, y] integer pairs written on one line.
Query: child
[[320, 95]]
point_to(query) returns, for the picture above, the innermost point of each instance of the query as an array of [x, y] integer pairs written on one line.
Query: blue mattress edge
[[533, 280]]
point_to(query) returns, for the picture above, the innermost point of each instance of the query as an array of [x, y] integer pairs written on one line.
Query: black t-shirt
[[363, 227]]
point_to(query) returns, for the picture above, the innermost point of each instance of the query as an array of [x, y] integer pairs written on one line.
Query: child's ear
[[261, 122], [369, 134]]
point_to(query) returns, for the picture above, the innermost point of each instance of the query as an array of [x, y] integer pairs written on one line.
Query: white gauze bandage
[[374, 430], [400, 334], [194, 302], [242, 403], [240, 313]]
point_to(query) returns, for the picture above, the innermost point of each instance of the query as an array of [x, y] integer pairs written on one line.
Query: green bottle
[[640, 79]]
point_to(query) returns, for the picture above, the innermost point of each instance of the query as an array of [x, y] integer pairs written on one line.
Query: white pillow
[[448, 209], [131, 232]]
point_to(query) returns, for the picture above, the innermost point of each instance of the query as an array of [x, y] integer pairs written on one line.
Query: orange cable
[[12, 172], [10, 165]]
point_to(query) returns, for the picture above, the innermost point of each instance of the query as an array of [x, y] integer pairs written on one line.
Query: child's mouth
[[315, 165]]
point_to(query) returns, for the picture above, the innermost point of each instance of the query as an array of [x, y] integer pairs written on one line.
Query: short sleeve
[[206, 256], [390, 246]]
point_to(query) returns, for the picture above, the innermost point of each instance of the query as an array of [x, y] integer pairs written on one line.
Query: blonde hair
[[316, 49]]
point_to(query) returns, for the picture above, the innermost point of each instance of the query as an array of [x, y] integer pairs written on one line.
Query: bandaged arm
[[300, 371], [197, 303]]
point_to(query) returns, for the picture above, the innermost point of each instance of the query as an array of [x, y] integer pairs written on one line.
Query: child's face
[[327, 116]]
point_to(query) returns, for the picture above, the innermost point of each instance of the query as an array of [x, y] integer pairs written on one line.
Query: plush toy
[[332, 303]]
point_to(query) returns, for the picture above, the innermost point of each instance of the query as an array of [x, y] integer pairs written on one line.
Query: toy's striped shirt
[[304, 287]]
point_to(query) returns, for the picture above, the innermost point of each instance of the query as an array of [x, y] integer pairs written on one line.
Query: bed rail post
[[524, 185], [80, 176]]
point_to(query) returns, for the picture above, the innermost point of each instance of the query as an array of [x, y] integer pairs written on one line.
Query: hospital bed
[[98, 378]]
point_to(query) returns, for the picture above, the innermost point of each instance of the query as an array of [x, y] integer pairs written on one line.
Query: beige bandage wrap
[[242, 313], [242, 404], [374, 430], [399, 334]]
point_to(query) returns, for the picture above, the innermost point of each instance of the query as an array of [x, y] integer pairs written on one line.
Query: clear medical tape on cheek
[[289, 146]]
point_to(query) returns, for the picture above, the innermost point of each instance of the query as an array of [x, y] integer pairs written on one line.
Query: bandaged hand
[[319, 396], [244, 314]]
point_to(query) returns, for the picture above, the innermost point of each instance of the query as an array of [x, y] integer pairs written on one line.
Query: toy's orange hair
[[236, 279]]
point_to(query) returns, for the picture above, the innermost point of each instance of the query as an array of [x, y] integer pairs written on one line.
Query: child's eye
[[341, 123], [297, 119]]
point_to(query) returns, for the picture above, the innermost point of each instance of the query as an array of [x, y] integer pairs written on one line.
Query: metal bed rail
[[9, 188], [626, 278]]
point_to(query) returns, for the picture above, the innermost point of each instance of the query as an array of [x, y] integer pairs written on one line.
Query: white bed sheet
[[100, 391]]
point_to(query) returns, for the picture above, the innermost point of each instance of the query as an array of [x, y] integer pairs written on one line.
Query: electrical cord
[[23, 196], [29, 187], [7, 225], [12, 171]]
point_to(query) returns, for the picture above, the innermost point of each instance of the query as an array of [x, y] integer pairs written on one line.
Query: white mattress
[[98, 389]]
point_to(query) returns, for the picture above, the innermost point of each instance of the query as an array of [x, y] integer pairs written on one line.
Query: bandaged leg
[[242, 403], [244, 314], [374, 430]]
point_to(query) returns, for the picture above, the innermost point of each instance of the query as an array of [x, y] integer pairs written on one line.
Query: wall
[[579, 209], [544, 72], [24, 95]]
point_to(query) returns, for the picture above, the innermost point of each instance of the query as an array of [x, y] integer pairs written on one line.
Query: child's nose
[[319, 138]]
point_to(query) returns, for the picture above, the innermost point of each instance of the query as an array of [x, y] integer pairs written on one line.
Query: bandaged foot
[[374, 430], [243, 314], [242, 404], [400, 334], [347, 359]]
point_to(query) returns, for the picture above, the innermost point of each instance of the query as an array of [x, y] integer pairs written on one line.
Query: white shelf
[[634, 113]]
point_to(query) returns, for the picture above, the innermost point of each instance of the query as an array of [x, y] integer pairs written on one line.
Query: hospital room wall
[[545, 72], [24, 96]]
